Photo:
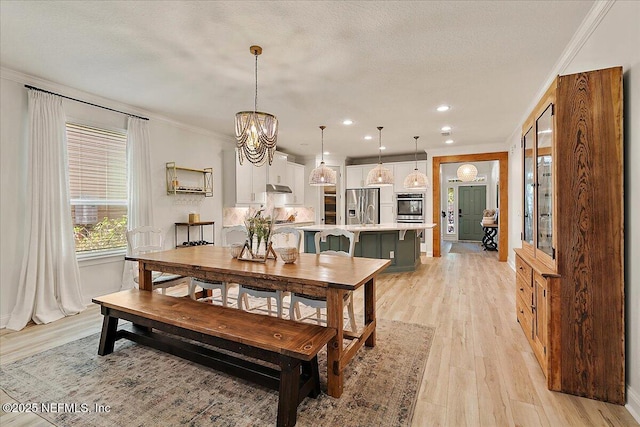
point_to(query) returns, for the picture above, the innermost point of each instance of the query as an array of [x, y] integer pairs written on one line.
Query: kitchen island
[[398, 242]]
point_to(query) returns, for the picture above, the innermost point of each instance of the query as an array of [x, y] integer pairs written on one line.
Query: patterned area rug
[[145, 387]]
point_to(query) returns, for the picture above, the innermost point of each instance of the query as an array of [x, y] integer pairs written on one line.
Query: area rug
[[465, 248], [139, 386]]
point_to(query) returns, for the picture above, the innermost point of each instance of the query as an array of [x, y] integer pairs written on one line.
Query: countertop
[[281, 224], [392, 226]]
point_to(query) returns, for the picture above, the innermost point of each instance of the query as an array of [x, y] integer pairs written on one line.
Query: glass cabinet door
[[527, 234], [544, 138]]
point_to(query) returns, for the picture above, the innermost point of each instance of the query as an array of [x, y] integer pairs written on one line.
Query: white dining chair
[[280, 237], [320, 303], [146, 239], [230, 235]]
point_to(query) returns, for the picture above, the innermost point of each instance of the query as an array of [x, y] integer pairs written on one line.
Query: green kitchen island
[[398, 242]]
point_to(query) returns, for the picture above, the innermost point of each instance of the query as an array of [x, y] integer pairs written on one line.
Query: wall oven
[[410, 207]]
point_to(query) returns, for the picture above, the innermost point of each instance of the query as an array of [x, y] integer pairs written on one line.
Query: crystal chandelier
[[256, 132], [467, 173], [322, 176], [379, 176], [416, 180]]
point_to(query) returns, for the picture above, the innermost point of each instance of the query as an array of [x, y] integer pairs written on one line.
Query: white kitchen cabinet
[[355, 177], [387, 213], [297, 182], [402, 170], [251, 181], [278, 170]]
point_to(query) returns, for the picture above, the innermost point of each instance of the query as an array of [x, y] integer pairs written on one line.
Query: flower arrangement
[[259, 227]]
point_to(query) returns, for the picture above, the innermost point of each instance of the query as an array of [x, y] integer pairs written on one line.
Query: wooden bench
[[293, 346]]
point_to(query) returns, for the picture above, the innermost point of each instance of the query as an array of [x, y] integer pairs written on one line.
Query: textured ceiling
[[378, 63]]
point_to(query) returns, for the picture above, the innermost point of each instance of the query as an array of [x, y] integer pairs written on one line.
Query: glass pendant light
[[416, 180], [379, 176], [322, 176], [467, 173], [256, 132]]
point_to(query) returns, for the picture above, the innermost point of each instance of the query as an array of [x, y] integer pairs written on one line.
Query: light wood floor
[[480, 371]]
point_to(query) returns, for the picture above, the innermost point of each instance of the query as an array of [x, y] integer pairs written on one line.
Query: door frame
[[503, 222]]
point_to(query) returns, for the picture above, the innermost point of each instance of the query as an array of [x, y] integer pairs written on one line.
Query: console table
[[488, 241]]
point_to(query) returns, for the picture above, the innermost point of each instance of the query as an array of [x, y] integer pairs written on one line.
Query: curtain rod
[[85, 102]]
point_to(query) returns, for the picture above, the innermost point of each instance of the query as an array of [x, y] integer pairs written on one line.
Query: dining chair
[[230, 235], [321, 302], [146, 239], [280, 237]]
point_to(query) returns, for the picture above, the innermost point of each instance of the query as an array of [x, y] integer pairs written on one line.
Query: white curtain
[[140, 201], [49, 286]]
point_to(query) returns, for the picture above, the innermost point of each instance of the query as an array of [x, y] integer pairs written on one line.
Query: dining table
[[316, 275]]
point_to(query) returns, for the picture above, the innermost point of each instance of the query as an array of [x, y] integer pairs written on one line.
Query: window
[[98, 187]]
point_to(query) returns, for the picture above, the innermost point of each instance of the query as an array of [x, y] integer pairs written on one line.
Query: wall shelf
[[181, 180]]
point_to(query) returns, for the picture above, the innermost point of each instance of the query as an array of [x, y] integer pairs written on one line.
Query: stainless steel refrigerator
[[362, 206]]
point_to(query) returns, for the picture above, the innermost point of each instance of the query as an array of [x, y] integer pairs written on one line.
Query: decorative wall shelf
[[182, 180]]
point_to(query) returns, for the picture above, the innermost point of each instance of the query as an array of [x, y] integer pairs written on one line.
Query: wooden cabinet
[[296, 181], [570, 270], [181, 180]]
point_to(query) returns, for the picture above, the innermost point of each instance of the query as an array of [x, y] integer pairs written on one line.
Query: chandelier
[[256, 132], [322, 176], [467, 173], [416, 180], [379, 176]]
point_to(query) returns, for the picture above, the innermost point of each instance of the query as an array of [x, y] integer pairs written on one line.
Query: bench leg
[[310, 370], [108, 335], [288, 393]]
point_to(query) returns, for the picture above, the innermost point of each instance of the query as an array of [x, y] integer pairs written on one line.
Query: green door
[[472, 200]]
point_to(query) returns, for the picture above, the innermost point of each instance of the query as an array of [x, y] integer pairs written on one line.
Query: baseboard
[[4, 320], [633, 403]]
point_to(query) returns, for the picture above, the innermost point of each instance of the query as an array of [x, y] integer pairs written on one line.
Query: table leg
[[145, 282], [370, 309], [335, 380]]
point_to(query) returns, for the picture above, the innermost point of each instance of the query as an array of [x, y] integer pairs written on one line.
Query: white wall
[[170, 141], [614, 41]]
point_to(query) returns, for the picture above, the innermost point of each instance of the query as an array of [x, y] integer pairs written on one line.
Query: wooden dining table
[[326, 276]]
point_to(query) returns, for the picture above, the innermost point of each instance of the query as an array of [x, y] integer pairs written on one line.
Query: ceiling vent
[[445, 133]]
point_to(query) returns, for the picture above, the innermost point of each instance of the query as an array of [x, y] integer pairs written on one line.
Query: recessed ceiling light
[[383, 147], [442, 108], [445, 128], [449, 141], [347, 122], [326, 153], [368, 137]]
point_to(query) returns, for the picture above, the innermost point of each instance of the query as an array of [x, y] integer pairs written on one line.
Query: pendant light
[[467, 173], [416, 180], [256, 132], [322, 176], [379, 176]]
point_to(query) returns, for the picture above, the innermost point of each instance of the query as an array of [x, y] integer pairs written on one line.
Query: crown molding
[[589, 24], [22, 78]]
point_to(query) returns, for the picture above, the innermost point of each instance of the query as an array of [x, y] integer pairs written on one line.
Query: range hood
[[274, 188]]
